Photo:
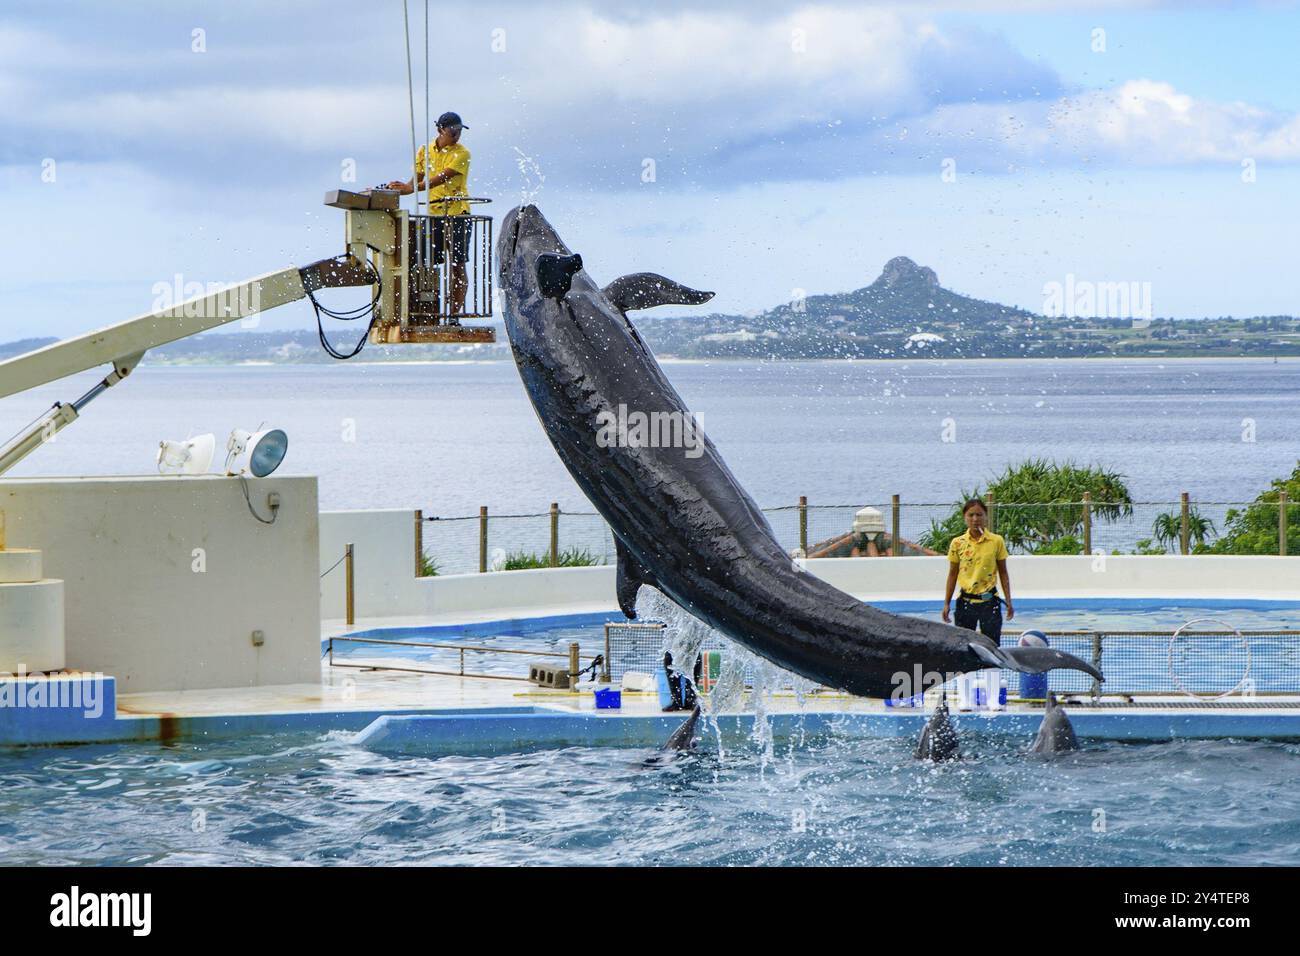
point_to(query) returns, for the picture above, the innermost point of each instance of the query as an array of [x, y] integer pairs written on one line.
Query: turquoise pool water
[[314, 799]]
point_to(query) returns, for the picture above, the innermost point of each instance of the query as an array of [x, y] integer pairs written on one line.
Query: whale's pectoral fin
[[645, 290], [1032, 660], [629, 579]]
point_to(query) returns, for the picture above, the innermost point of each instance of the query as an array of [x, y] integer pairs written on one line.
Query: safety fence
[[1194, 663], [491, 542]]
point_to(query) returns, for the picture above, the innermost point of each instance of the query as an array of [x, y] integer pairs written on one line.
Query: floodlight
[[255, 454], [190, 457]]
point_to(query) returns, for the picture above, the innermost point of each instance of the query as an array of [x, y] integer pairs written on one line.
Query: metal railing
[[434, 240], [487, 541], [572, 656]]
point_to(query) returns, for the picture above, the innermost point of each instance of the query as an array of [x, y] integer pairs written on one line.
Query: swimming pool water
[[318, 800]]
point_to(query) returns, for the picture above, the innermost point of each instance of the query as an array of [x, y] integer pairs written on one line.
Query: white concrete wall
[[386, 586], [136, 607], [383, 562], [1060, 576]]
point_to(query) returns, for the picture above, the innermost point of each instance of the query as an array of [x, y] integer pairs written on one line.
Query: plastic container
[[665, 694], [609, 699], [1033, 686], [917, 701], [965, 691]]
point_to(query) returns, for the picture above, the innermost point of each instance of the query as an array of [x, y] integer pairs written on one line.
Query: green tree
[[1253, 530], [1038, 505], [1167, 529]]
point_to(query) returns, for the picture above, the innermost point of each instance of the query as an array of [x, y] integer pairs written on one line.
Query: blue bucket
[[609, 699], [1033, 686]]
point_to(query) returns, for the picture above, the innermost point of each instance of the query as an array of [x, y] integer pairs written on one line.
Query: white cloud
[[1138, 123]]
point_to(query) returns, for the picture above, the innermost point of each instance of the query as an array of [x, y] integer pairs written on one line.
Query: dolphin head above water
[[939, 738], [681, 521], [1055, 733]]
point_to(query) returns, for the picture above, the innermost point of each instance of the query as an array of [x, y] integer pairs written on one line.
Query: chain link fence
[[489, 542]]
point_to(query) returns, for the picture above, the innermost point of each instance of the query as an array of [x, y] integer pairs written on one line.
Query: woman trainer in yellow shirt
[[976, 560]]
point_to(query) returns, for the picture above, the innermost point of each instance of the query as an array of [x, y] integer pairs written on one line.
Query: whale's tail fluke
[[1033, 660]]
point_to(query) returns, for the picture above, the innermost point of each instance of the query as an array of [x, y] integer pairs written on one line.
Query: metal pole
[[1087, 522], [606, 677], [993, 511], [803, 524], [482, 540], [555, 535], [348, 584], [574, 665], [1281, 522], [1185, 526], [1096, 662], [894, 549], [419, 542]]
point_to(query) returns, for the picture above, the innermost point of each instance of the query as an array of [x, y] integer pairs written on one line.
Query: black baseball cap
[[450, 119]]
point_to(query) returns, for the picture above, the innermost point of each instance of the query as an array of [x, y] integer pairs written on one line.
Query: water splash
[[742, 671], [533, 177]]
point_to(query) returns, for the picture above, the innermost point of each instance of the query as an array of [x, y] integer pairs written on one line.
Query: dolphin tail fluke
[[1033, 660], [628, 579]]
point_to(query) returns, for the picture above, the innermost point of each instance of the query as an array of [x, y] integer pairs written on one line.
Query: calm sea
[[450, 437]]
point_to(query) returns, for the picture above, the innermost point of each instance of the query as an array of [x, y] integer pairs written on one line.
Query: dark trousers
[[985, 617]]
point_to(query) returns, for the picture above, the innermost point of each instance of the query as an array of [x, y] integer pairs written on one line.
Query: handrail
[[459, 647], [462, 648]]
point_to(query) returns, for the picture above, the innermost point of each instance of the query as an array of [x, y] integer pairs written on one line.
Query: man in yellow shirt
[[442, 168], [976, 560]]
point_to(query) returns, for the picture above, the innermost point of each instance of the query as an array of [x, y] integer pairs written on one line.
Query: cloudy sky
[[792, 146]]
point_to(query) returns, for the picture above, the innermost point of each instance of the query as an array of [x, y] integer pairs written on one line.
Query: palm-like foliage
[[1167, 529]]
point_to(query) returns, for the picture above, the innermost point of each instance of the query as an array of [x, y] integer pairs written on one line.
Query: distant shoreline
[[671, 360]]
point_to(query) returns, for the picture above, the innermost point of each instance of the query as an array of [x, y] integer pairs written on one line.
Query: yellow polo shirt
[[454, 157], [977, 561]]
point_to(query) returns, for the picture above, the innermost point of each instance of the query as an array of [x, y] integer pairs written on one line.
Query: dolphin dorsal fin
[[629, 578], [645, 290]]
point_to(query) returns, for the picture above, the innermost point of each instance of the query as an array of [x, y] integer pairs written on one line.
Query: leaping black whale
[[681, 521]]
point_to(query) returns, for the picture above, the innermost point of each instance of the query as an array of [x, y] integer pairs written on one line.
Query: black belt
[[979, 598]]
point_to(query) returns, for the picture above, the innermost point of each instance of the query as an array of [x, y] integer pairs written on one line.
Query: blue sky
[[795, 146]]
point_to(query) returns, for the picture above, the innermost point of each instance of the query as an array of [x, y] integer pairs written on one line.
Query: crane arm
[[124, 344]]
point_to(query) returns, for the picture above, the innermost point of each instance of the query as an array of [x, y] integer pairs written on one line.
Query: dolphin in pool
[[684, 737], [681, 742], [1055, 733], [681, 521], [939, 738]]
